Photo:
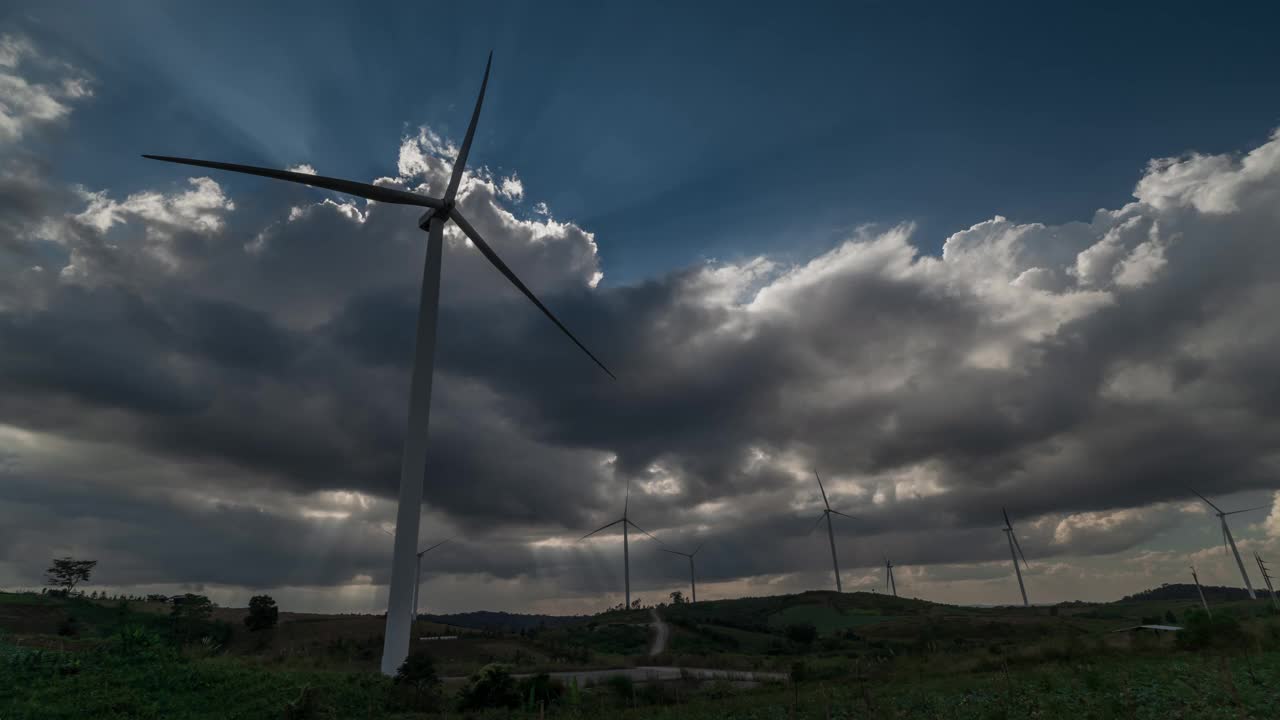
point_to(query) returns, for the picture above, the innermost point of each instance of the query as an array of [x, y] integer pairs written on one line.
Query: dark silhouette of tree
[[677, 598], [190, 614], [67, 572], [263, 613]]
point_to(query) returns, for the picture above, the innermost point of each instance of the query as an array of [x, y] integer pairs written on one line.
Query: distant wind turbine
[[1230, 542], [1015, 550], [889, 584], [417, 578], [1201, 591], [831, 535], [1266, 578], [440, 210], [693, 582], [626, 552]]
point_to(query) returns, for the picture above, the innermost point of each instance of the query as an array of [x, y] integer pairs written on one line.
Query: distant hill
[[505, 622], [1187, 591]]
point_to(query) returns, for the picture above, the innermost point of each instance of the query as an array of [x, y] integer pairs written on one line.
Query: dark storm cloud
[[260, 367]]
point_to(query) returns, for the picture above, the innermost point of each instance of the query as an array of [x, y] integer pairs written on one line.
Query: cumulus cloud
[[248, 378], [26, 102]]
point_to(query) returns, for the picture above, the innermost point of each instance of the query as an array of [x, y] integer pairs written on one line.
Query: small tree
[[677, 598], [190, 614], [419, 673], [67, 572], [263, 613]]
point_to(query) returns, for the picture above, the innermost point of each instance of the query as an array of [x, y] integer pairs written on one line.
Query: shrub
[[491, 687], [1200, 631], [622, 687], [540, 691], [419, 673]]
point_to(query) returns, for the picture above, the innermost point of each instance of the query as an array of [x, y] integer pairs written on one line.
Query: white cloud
[[26, 103]]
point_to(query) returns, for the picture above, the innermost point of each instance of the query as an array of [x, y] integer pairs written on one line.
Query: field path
[[661, 632]]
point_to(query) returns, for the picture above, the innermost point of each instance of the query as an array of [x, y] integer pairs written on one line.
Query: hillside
[[1187, 591], [505, 622]]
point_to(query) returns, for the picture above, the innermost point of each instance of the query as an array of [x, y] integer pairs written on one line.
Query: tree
[[677, 598], [190, 614], [68, 572], [419, 673], [263, 613]]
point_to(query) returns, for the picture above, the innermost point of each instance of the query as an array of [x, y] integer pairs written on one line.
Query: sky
[[954, 258]]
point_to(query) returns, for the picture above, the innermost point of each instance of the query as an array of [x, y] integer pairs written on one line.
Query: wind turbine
[[831, 535], [1201, 591], [1266, 578], [889, 584], [626, 552], [1229, 541], [417, 577], [1016, 551], [693, 583], [440, 210]]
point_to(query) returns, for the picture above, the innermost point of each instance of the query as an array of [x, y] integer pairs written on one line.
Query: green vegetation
[[917, 660]]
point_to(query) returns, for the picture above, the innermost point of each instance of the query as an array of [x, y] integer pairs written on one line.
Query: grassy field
[[873, 658]]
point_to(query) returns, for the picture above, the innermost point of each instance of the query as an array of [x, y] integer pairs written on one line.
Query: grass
[[907, 659]]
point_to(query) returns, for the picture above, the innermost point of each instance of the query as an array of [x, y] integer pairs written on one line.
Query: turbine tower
[[626, 552], [693, 582], [1230, 542], [1195, 577], [1015, 550], [440, 210], [417, 578], [831, 535], [1266, 578], [889, 584]]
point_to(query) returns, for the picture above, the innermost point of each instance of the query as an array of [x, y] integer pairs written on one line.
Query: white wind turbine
[[440, 210], [693, 582], [889, 584], [626, 552], [1016, 551], [417, 577], [827, 512], [1230, 542]]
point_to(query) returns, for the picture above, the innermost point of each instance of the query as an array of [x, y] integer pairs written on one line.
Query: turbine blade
[[824, 490], [695, 552], [488, 252], [460, 163], [837, 512], [369, 192], [1237, 512], [603, 527], [673, 552], [646, 532], [816, 524], [433, 547], [1006, 518], [1206, 500], [627, 503]]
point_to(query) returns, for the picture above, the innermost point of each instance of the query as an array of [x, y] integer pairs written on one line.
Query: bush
[[1200, 631], [540, 691], [419, 673], [491, 687], [263, 613], [622, 687]]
